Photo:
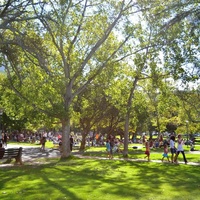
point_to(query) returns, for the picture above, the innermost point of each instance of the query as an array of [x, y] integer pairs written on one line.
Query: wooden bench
[[12, 153]]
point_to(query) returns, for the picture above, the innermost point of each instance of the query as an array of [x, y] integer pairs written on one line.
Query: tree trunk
[[65, 149], [127, 118], [126, 135]]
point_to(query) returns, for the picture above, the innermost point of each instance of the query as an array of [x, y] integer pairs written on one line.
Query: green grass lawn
[[156, 154], [48, 144], [88, 179], [92, 179]]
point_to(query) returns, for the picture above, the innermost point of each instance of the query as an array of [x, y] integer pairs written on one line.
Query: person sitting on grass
[[165, 154], [116, 147], [156, 144]]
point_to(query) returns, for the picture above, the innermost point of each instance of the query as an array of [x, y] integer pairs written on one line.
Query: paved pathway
[[31, 153]]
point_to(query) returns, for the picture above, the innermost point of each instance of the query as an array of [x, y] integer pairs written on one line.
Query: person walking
[[165, 154], [172, 147], [180, 149]]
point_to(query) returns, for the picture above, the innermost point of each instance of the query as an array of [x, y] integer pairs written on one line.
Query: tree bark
[[65, 149], [126, 135], [83, 142], [127, 117]]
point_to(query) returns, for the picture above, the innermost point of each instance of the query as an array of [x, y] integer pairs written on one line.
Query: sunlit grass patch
[[90, 179]]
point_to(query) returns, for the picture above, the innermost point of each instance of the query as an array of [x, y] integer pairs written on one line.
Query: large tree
[[51, 60], [176, 28]]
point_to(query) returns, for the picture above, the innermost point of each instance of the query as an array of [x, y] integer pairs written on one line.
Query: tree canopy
[[56, 52]]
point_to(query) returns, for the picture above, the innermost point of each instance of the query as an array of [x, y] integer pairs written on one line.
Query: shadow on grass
[[80, 179]]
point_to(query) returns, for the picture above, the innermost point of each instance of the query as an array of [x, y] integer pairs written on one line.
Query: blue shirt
[[108, 146]]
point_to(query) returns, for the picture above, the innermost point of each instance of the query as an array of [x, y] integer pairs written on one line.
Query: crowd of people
[[112, 146], [39, 138], [168, 146]]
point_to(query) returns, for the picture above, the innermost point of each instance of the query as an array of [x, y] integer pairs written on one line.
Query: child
[[147, 152], [165, 154], [108, 149]]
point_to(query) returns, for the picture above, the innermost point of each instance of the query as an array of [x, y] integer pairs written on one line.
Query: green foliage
[[178, 36], [100, 63]]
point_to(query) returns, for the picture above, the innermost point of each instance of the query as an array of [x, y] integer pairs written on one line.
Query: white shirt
[[180, 145], [172, 143]]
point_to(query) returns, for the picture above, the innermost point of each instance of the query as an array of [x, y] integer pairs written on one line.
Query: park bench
[[12, 153]]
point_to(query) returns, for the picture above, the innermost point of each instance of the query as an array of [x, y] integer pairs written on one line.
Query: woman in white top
[[180, 149]]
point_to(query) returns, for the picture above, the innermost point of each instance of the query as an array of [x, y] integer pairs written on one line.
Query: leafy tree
[[96, 108], [140, 117], [16, 114], [91, 107], [50, 61], [189, 109], [176, 28]]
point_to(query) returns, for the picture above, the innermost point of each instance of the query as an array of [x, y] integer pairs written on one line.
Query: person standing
[[143, 139], [71, 142], [108, 149], [180, 149], [5, 139], [112, 143], [42, 142], [172, 147], [2, 150], [147, 151]]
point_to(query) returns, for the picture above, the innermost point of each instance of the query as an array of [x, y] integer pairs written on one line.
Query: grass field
[[156, 154], [92, 179], [83, 179]]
